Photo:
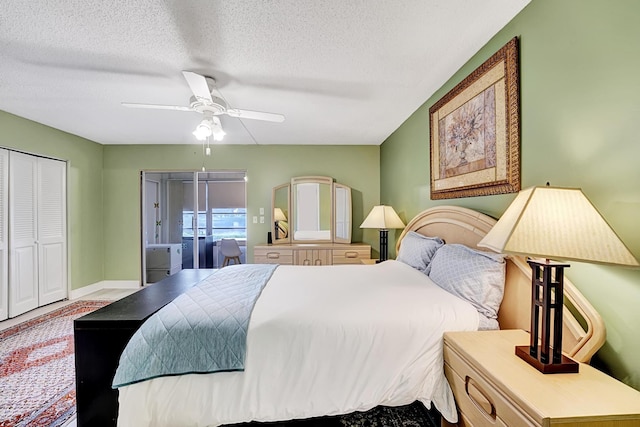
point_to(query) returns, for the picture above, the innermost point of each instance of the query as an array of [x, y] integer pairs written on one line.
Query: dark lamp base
[[566, 366]]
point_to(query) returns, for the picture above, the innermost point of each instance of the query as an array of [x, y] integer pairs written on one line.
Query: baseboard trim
[[104, 284]]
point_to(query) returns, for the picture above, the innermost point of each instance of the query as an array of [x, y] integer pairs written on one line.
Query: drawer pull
[[479, 398], [351, 254], [273, 255]]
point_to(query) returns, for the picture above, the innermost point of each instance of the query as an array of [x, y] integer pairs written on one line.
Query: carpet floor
[[37, 368], [413, 415]]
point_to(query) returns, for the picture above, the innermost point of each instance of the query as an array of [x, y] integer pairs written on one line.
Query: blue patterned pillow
[[475, 276], [417, 250]]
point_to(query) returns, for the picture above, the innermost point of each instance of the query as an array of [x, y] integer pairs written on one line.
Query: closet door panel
[[52, 233], [23, 291], [4, 248], [52, 283], [23, 280]]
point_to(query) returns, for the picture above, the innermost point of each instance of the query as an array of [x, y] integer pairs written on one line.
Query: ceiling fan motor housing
[[216, 106]]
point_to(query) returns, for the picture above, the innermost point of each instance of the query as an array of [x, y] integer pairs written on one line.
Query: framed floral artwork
[[475, 131]]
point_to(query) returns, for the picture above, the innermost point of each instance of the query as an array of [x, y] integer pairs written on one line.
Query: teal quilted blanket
[[203, 330]]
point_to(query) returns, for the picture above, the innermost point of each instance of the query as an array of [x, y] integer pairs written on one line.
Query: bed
[[338, 339]]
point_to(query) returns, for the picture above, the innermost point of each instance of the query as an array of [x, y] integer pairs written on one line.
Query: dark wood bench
[[101, 336]]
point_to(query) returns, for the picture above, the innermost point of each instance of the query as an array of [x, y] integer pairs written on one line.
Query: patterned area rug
[[37, 368], [413, 415]]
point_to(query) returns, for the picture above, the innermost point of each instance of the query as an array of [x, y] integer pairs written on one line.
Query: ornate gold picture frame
[[475, 131]]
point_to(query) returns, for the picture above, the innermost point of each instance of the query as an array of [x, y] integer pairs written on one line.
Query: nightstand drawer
[[273, 256], [479, 401]]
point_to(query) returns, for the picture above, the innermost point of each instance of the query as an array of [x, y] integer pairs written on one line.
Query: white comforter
[[321, 341]]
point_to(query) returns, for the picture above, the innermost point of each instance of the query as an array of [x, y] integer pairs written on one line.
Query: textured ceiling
[[341, 71]]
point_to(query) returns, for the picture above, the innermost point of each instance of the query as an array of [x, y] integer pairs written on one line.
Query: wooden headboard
[[581, 338]]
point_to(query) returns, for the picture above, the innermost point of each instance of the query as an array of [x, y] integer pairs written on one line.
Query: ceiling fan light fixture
[[218, 134], [209, 126], [203, 130], [216, 129]]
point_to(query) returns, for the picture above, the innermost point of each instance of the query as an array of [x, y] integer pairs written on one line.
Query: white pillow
[[417, 250], [475, 276]]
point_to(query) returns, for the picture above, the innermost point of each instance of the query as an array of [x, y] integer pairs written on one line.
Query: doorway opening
[[184, 217]]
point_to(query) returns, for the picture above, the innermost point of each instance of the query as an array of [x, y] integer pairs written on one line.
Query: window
[[187, 224], [220, 205], [229, 223]]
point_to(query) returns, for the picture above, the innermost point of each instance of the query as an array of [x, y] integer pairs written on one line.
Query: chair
[[230, 250]]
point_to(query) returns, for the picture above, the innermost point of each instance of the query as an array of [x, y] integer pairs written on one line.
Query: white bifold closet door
[[52, 231], [23, 251], [4, 238], [37, 232]]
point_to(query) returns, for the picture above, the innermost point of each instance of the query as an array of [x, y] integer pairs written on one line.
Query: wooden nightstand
[[368, 261], [494, 387]]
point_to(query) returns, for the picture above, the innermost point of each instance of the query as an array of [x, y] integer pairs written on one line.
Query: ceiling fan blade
[[198, 85], [156, 107], [256, 115]]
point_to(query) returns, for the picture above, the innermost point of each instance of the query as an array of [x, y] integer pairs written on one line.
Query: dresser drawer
[[273, 256], [478, 401], [351, 255]]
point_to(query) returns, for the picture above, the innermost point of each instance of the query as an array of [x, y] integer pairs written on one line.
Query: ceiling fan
[[207, 100]]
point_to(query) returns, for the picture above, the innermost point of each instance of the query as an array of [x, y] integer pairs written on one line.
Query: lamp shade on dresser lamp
[[552, 223], [383, 218]]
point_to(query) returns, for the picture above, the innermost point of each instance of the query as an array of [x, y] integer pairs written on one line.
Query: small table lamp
[[559, 223], [278, 216], [384, 218]]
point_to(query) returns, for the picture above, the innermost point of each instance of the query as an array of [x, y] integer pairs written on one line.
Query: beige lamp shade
[[278, 215], [382, 217], [560, 224]]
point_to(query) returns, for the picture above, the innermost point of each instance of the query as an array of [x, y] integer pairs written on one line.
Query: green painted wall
[[266, 166], [580, 102], [84, 189]]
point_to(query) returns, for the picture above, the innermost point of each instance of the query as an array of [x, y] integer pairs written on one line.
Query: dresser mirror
[[311, 200], [342, 213], [280, 214], [311, 209]]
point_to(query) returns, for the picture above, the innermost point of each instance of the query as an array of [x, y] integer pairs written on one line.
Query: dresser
[[494, 387], [312, 253]]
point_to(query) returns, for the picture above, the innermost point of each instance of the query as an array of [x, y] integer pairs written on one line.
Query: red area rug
[[37, 368]]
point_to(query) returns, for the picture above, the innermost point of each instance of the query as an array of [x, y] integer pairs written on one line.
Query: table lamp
[[561, 224], [383, 217]]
